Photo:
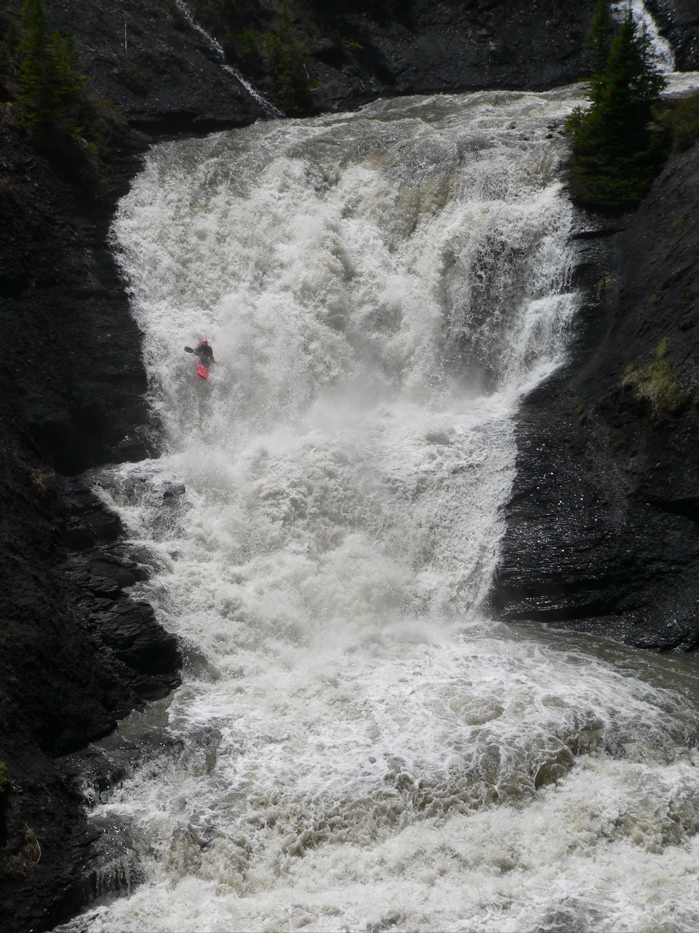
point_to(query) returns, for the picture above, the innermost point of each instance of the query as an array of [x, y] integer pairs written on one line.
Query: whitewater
[[357, 743]]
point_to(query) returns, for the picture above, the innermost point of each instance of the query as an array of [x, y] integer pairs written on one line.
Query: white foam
[[361, 746]]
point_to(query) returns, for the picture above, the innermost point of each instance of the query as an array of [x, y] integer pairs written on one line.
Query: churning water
[[357, 745]]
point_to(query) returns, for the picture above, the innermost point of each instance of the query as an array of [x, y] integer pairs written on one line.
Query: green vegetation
[[272, 53], [8, 42], [247, 50], [599, 41], [50, 95], [4, 780], [50, 80], [616, 153], [289, 61], [615, 443], [232, 12], [656, 384], [233, 22]]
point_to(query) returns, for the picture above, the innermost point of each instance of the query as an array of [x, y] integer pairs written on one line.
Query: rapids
[[357, 745]]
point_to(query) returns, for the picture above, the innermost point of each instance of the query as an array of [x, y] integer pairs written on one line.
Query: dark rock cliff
[[77, 653], [148, 60], [422, 47], [603, 523], [361, 49]]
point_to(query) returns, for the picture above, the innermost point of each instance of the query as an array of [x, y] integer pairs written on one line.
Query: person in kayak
[[205, 353]]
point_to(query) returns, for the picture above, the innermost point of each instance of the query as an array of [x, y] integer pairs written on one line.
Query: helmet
[[205, 343]]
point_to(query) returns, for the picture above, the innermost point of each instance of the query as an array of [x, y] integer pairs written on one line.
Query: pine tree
[[599, 39], [50, 81], [37, 97], [615, 154]]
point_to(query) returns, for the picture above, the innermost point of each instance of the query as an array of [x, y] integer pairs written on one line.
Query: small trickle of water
[[213, 43]]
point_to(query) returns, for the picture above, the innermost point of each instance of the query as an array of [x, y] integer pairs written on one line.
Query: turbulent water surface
[[357, 745]]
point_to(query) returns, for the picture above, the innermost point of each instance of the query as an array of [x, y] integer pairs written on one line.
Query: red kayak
[[203, 371]]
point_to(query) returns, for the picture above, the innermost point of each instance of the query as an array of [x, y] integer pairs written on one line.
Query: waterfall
[[357, 745]]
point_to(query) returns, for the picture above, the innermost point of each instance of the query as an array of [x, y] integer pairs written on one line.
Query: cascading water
[[356, 745], [661, 50]]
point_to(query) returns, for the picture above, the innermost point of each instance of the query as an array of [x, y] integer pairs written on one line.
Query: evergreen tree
[[599, 39], [50, 81], [615, 153], [37, 98]]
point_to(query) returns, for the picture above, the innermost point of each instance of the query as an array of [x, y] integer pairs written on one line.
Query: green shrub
[[276, 56], [230, 19], [289, 61], [4, 779], [246, 50], [655, 382], [8, 48], [230, 13], [616, 154], [234, 23]]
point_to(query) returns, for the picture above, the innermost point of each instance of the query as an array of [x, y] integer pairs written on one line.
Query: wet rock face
[[73, 381], [421, 47], [603, 524], [76, 655]]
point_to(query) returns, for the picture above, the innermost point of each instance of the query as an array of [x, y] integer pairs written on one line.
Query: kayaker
[[205, 353]]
